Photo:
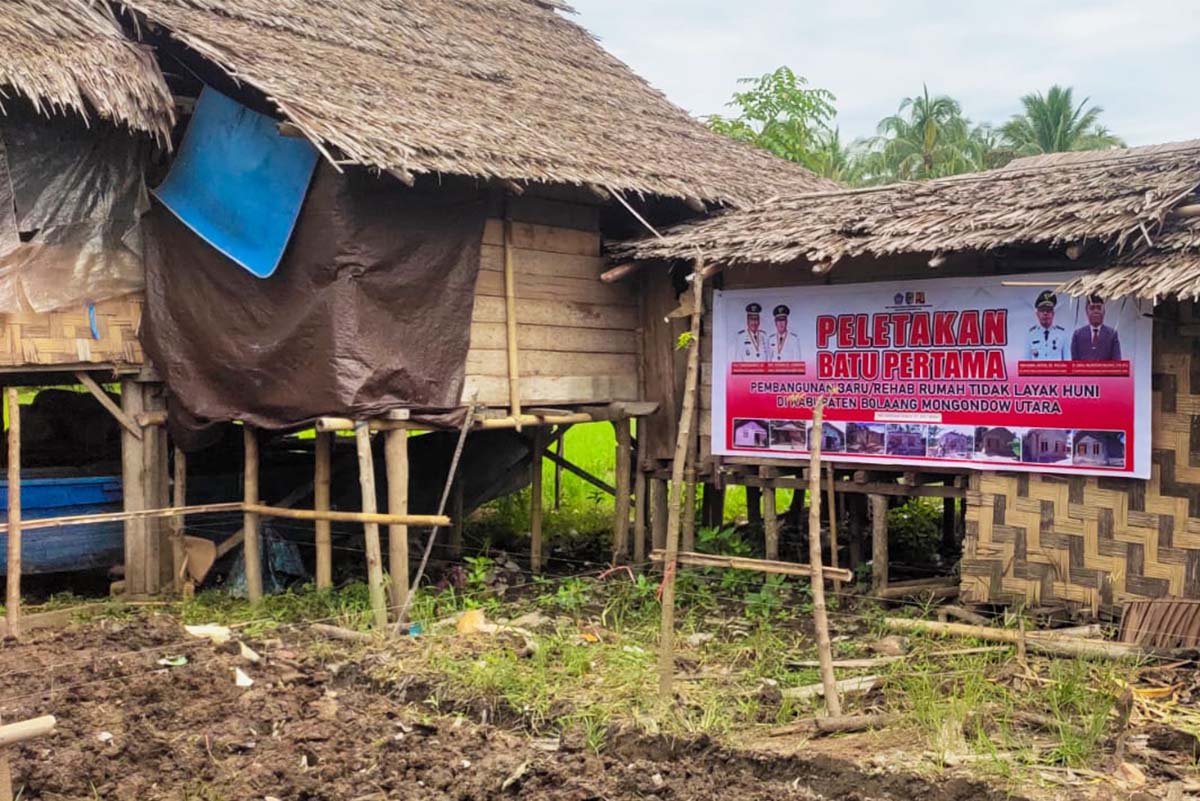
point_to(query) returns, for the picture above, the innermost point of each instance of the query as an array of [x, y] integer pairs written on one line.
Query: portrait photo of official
[[750, 343], [1046, 341], [783, 345], [1095, 342]]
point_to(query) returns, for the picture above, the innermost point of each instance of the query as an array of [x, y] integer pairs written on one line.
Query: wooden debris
[[858, 684], [339, 633]]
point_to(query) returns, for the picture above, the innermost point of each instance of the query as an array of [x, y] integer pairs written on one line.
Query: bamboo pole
[[879, 544], [833, 705], [747, 563], [252, 557], [14, 734], [378, 518], [510, 321], [770, 515], [639, 517], [323, 530], [1040, 642], [179, 500], [666, 645], [13, 595], [366, 480], [395, 454], [117, 517], [535, 500], [624, 457], [833, 524]]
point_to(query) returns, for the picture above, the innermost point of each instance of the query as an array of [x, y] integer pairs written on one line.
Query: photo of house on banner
[[951, 442], [1098, 449], [833, 437], [865, 437], [749, 433], [906, 439], [788, 435], [997, 443], [1046, 446]]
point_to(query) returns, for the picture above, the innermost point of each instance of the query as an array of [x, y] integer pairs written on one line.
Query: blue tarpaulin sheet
[[238, 183]]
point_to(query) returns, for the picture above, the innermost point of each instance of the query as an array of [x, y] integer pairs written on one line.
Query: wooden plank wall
[[578, 337], [65, 337]]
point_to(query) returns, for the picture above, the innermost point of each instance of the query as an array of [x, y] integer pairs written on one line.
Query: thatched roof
[[71, 55], [507, 89], [1121, 199]]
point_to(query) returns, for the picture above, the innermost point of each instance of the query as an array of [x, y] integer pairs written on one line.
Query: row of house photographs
[[1028, 445]]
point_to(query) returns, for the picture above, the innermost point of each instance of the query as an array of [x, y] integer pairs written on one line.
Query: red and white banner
[[987, 372]]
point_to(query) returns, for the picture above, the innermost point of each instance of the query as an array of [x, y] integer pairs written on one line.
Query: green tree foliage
[[781, 113], [1054, 123]]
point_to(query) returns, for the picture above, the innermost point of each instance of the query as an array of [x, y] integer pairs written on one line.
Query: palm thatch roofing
[[505, 89], [1125, 200], [70, 55]]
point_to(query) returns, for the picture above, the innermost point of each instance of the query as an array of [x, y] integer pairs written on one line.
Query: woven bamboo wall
[[65, 337], [1096, 542]]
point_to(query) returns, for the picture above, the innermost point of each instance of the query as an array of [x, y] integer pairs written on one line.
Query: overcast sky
[[1139, 59]]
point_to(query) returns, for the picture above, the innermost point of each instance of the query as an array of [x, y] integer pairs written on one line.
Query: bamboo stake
[[535, 500], [833, 537], [13, 734], [366, 480], [510, 321], [1039, 642], [666, 645], [179, 500], [252, 557], [395, 455], [621, 502], [322, 478], [13, 596], [833, 705]]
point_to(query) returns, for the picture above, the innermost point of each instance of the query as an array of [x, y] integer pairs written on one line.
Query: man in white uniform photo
[[1046, 342], [783, 346], [750, 344]]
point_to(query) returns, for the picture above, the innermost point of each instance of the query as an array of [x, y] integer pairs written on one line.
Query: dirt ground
[[132, 729]]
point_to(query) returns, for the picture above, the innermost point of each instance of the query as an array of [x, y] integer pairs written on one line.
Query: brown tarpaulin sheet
[[370, 309]]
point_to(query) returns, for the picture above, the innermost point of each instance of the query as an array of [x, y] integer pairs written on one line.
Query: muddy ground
[[132, 729]]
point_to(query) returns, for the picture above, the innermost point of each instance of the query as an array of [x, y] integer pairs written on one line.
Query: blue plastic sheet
[[238, 183]]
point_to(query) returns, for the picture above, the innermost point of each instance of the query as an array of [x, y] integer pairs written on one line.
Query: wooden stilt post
[[560, 449], [639, 517], [250, 520], [770, 516], [366, 481], [666, 644], [395, 453], [133, 491], [856, 507], [879, 543], [833, 704], [949, 527], [658, 513], [322, 479], [621, 501], [688, 506], [535, 500], [457, 512], [833, 524], [13, 595], [179, 499], [754, 512]]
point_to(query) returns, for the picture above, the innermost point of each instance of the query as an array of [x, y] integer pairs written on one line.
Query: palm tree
[[926, 138], [1053, 123]]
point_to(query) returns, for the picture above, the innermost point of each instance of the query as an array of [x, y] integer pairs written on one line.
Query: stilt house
[[1126, 225]]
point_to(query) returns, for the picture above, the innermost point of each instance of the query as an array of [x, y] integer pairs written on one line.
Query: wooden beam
[[624, 465], [842, 485], [400, 420], [13, 595], [366, 481], [535, 500], [879, 544], [151, 419], [127, 421], [395, 450], [133, 490], [579, 471], [621, 271], [746, 563], [250, 519], [522, 420], [510, 320], [323, 533]]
